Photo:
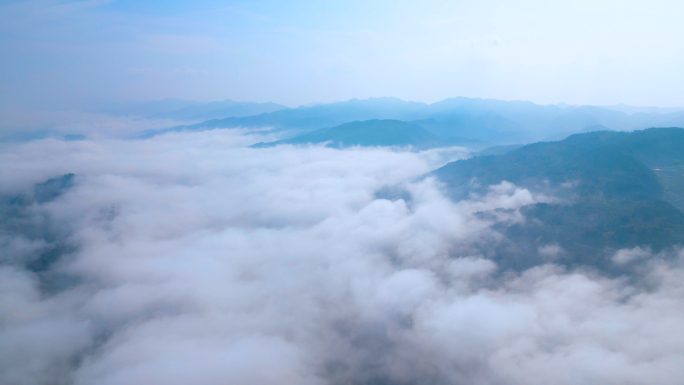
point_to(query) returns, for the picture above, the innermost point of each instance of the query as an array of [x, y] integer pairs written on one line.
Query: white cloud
[[204, 261], [550, 251], [629, 255]]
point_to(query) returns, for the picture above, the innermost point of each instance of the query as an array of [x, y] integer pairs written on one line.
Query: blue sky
[[65, 54]]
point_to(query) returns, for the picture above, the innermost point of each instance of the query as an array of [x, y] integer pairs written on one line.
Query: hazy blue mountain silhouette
[[143, 108], [223, 109], [498, 150], [495, 122], [368, 133]]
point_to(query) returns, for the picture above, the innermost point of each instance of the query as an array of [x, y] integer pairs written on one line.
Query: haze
[[341, 193], [71, 54]]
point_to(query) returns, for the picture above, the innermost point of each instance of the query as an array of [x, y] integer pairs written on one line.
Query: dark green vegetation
[[29, 232], [620, 190], [368, 133], [672, 180]]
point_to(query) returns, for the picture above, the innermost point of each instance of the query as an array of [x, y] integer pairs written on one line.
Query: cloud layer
[[200, 260]]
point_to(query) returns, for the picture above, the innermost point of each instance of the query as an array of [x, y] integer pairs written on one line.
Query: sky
[[74, 54]]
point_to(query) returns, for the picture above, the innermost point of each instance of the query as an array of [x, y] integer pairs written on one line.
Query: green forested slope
[[620, 189]]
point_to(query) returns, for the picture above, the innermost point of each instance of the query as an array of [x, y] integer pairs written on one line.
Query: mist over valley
[[341, 193]]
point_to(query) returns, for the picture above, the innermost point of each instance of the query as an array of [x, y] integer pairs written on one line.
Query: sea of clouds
[[199, 260]]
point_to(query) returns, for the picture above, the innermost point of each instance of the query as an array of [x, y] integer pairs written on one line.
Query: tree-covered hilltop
[[615, 192], [605, 163], [42, 241]]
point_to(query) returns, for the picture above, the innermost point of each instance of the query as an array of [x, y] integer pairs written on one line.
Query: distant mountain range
[[184, 110], [214, 110], [29, 135], [485, 121], [375, 132], [633, 109]]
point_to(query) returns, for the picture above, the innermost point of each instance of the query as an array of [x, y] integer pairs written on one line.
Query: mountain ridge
[[497, 122], [615, 193], [374, 132]]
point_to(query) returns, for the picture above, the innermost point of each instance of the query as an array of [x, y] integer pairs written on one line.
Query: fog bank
[[196, 259]]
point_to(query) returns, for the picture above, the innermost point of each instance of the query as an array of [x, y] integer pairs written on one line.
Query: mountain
[[560, 135], [633, 109], [323, 115], [305, 119], [578, 119], [224, 109], [368, 133], [488, 121], [620, 190], [145, 108], [458, 126], [446, 118], [29, 135], [178, 109], [486, 127], [533, 117], [18, 219], [498, 150]]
